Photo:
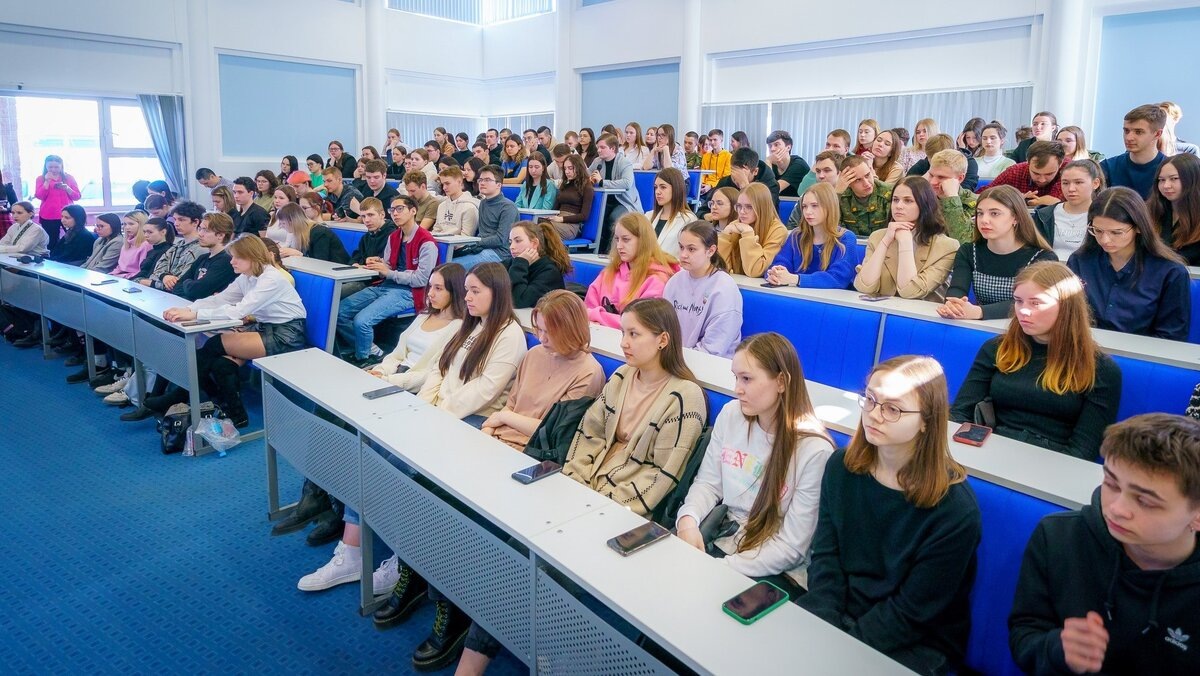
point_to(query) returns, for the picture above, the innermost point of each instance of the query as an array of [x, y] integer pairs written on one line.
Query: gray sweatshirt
[[496, 217]]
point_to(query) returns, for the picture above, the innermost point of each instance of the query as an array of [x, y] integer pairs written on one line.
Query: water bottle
[[189, 448]]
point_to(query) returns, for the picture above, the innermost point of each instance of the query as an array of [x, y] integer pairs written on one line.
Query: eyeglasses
[[485, 179], [1107, 233], [891, 412], [743, 207]]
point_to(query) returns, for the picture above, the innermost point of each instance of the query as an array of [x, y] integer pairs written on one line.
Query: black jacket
[[253, 221], [75, 247], [766, 176], [531, 282], [1072, 566], [348, 165], [323, 245], [208, 275], [156, 252], [372, 243]]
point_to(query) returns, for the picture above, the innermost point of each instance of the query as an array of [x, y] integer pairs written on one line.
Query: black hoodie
[[1152, 616]]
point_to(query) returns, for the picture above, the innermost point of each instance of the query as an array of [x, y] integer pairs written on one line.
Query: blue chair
[[786, 206], [953, 346], [589, 234], [644, 180], [983, 183], [1194, 333], [316, 293], [350, 238], [511, 191], [583, 273], [693, 185], [394, 184], [1147, 387]]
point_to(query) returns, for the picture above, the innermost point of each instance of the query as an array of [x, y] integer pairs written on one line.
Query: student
[[838, 141], [248, 217], [312, 239], [134, 246], [746, 168], [470, 171], [765, 462], [55, 190], [587, 146], [572, 141], [260, 291], [24, 237], [717, 160], [404, 268], [514, 162], [265, 183], [212, 270], [636, 438], [789, 169], [934, 145], [375, 183], [1044, 128], [418, 160], [1170, 144], [287, 165], [458, 213], [893, 557], [184, 250], [924, 130], [1175, 205], [284, 194], [968, 140], [497, 213], [691, 149], [721, 212], [634, 148], [574, 198], [315, 165], [1044, 381], [558, 156], [1112, 588], [637, 268], [1137, 166], [462, 145], [210, 180], [865, 202], [612, 173], [990, 156], [884, 158], [946, 173], [340, 196], [1064, 225], [750, 243], [158, 234], [74, 247], [868, 129], [421, 344], [670, 211], [106, 249], [537, 191], [1134, 282], [703, 294], [1036, 178], [539, 261], [819, 253], [1075, 145], [826, 167], [396, 167], [417, 187], [340, 160], [666, 153], [912, 257], [433, 152]]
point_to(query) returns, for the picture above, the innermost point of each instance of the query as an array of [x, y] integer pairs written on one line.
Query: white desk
[[330, 271], [536, 214], [452, 241]]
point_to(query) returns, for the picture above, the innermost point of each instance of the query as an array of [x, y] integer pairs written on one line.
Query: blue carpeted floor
[[117, 559]]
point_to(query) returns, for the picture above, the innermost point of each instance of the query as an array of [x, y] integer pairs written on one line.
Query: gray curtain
[[748, 117], [417, 128], [519, 123], [810, 121], [164, 117]]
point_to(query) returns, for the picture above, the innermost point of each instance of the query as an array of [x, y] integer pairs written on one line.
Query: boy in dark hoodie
[[1115, 586]]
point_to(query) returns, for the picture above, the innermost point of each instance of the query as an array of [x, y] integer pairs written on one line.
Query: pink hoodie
[[616, 290]]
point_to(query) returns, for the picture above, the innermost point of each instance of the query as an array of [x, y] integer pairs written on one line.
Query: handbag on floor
[[173, 427]]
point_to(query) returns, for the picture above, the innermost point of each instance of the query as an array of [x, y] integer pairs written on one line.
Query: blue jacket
[[843, 265]]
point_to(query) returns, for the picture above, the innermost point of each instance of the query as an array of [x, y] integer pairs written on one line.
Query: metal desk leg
[[366, 585], [331, 334], [274, 511], [45, 336], [199, 446], [90, 350]]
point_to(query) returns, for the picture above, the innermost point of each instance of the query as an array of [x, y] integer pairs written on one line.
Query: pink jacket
[[616, 290], [54, 198], [129, 263]]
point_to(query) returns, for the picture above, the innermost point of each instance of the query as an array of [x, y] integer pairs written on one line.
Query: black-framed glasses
[[891, 412]]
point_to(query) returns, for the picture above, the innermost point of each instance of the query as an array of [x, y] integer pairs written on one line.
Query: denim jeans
[[485, 256], [359, 314]]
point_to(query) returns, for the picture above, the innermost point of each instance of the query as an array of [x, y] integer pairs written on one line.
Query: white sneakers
[[346, 566], [386, 576], [116, 386], [117, 398]]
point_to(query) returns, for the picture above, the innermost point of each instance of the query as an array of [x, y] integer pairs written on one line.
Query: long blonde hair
[[765, 214], [291, 217], [648, 254], [138, 217], [931, 130], [805, 234]]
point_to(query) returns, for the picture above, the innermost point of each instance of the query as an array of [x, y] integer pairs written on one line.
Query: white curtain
[[417, 128], [748, 117], [519, 123], [164, 117], [810, 121]]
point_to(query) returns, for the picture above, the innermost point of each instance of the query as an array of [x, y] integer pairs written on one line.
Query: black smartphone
[[755, 602], [382, 392], [872, 299], [131, 289], [197, 322], [344, 267], [972, 434], [639, 538], [537, 472], [105, 281], [770, 285]]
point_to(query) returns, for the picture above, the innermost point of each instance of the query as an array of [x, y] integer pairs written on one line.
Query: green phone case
[[739, 618]]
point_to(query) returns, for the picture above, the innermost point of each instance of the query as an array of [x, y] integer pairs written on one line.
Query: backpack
[[552, 439]]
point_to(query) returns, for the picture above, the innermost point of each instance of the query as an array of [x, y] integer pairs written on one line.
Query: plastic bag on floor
[[219, 433]]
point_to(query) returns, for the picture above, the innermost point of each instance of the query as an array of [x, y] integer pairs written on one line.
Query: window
[[480, 12], [104, 143]]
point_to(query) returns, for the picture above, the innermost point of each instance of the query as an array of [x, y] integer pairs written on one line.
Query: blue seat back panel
[[317, 295], [953, 346], [350, 238], [644, 180], [786, 207], [1194, 332], [1148, 387]]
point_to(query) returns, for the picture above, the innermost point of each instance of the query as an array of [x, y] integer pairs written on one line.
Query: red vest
[[412, 255]]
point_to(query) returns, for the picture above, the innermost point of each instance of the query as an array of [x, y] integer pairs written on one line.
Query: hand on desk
[[378, 266], [179, 314], [779, 275], [689, 531], [959, 308]]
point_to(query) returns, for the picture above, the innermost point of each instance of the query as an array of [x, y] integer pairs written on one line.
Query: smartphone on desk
[[872, 299], [749, 606], [972, 434], [131, 289], [537, 472], [343, 267], [105, 281], [639, 538], [382, 392], [196, 322], [769, 285]]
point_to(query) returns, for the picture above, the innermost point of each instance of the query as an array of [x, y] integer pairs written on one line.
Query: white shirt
[[270, 298], [1069, 231], [29, 238]]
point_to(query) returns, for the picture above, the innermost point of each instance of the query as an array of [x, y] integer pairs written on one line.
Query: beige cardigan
[[745, 255], [414, 377], [934, 262], [654, 456]]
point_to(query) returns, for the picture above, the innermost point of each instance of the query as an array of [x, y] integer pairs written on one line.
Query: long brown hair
[[804, 235], [581, 175], [1071, 351], [566, 317], [678, 204], [893, 157], [927, 477], [659, 317], [292, 216], [495, 278], [648, 253], [1186, 208], [930, 221], [550, 244], [1011, 199], [1125, 206], [731, 194], [707, 234], [794, 420], [765, 214], [454, 277]]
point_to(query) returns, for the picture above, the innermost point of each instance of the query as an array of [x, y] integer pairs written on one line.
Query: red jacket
[[412, 255]]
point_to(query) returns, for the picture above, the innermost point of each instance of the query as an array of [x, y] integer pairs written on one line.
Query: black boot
[[160, 403], [329, 526], [445, 642], [30, 339], [406, 597], [313, 501], [224, 374]]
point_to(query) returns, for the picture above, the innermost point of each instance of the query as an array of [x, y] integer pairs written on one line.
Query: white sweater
[[486, 393], [731, 472], [270, 298], [29, 238], [419, 350]]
